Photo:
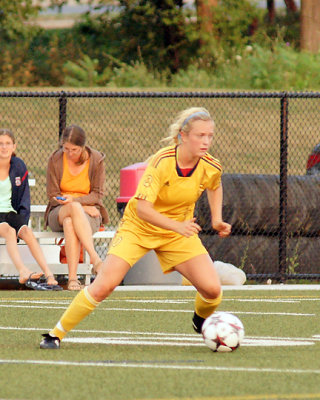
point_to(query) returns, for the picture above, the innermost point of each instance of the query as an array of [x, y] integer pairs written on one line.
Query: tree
[[13, 18], [290, 4], [310, 22], [205, 14], [150, 30]]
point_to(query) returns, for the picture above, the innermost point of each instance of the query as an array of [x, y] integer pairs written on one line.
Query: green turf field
[[140, 345]]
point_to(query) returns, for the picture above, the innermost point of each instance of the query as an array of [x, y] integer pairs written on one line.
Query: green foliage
[[193, 77], [235, 21], [286, 26], [278, 68], [13, 17], [154, 30], [135, 75], [85, 74], [155, 44]]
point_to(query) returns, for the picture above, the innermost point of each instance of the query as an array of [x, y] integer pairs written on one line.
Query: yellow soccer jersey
[[172, 195]]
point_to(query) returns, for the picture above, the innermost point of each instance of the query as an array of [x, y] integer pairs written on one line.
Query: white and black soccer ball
[[222, 332]]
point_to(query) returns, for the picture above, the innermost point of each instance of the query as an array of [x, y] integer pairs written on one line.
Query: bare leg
[[201, 273], [7, 232], [81, 227], [27, 235], [72, 247], [110, 275]]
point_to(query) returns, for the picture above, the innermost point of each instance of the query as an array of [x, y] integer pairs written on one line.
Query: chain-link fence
[[263, 141]]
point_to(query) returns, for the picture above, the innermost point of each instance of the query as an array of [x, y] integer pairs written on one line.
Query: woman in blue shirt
[[15, 213]]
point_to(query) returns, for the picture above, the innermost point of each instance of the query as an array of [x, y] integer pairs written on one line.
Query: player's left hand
[[223, 228]]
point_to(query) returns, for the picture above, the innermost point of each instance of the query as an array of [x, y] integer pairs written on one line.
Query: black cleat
[[49, 342], [197, 322]]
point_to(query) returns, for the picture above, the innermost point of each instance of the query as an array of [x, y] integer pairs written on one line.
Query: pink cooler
[[129, 179]]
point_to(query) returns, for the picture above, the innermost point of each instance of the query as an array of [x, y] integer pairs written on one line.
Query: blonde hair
[[184, 120]]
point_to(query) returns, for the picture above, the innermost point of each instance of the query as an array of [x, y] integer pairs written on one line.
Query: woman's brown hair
[[75, 135]]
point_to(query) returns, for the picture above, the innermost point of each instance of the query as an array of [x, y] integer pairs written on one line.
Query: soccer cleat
[[197, 322], [49, 342]]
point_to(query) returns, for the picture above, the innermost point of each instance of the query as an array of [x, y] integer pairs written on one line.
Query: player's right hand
[[189, 228]]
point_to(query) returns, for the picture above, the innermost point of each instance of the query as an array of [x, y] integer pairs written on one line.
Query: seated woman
[[15, 213], [75, 188]]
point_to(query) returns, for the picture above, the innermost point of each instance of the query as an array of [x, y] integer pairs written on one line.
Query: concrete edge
[[172, 288]]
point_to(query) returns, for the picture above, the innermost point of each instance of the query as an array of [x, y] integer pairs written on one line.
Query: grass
[[141, 358]]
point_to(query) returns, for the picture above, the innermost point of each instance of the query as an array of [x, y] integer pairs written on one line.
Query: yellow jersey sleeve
[[213, 170], [149, 185]]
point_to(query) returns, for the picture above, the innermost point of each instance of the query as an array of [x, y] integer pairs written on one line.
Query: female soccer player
[[160, 217], [15, 213]]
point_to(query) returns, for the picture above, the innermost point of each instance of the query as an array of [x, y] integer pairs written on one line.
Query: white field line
[[164, 334], [187, 311], [159, 310], [266, 300], [139, 333], [164, 301], [170, 288], [130, 364], [170, 339], [182, 342], [146, 301]]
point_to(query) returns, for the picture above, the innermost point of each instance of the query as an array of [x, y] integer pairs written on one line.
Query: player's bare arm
[[146, 211], [215, 198]]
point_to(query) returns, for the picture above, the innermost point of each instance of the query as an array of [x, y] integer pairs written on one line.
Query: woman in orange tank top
[[75, 188]]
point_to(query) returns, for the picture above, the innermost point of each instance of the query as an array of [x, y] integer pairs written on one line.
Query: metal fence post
[[62, 112], [283, 187]]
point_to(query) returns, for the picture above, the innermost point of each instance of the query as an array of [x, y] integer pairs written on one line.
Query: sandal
[[40, 285], [49, 286], [36, 285], [74, 285], [36, 276], [52, 278]]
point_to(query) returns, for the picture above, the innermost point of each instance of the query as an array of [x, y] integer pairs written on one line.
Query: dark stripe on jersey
[[170, 153], [213, 162]]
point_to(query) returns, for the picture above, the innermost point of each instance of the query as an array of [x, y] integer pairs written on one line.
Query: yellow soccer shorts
[[172, 250]]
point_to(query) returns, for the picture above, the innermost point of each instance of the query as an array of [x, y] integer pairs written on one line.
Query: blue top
[[20, 196]]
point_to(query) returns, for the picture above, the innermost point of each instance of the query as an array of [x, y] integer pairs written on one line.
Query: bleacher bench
[[51, 250]]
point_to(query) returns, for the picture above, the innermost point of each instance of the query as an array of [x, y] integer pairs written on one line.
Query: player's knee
[[100, 292], [212, 292]]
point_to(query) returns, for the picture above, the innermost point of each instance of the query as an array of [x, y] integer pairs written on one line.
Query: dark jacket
[[20, 195]]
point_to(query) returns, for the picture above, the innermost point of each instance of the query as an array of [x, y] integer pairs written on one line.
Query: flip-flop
[[45, 286], [43, 281], [34, 279], [38, 285]]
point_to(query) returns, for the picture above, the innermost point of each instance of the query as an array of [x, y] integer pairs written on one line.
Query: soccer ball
[[222, 332]]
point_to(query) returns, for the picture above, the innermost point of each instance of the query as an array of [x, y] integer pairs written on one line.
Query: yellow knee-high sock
[[82, 305], [205, 307]]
